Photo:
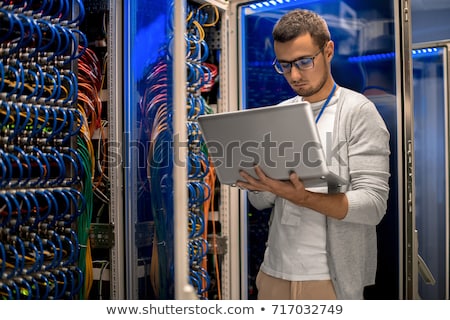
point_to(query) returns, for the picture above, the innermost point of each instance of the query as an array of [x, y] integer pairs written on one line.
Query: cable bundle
[[201, 175], [43, 174], [155, 178]]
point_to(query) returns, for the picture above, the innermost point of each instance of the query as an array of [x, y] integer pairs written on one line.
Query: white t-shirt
[[302, 231]]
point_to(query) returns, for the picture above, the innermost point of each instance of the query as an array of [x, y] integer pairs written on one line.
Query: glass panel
[[148, 157], [364, 37], [430, 165]]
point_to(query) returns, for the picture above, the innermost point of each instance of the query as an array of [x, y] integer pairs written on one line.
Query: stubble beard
[[308, 92]]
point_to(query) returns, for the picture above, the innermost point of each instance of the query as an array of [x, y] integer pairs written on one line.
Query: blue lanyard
[[326, 103]]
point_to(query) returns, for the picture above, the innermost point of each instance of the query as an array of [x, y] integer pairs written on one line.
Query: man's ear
[[329, 50]]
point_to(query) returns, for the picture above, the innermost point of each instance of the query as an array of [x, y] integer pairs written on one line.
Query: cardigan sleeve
[[368, 165]]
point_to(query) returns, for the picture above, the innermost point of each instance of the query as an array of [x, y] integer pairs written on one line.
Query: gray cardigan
[[361, 147]]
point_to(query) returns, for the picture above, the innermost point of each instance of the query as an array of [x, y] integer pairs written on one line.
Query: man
[[322, 243]]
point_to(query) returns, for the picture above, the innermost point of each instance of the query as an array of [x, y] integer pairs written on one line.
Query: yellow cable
[[89, 272], [216, 13]]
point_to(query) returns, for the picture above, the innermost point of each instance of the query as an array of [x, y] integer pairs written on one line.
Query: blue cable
[[81, 202], [56, 85], [58, 12], [19, 166], [205, 54], [21, 245], [35, 112], [55, 208], [26, 121], [22, 77], [36, 84], [4, 171], [63, 209], [7, 168], [75, 172], [29, 32], [2, 76], [34, 285], [36, 264], [39, 217], [71, 284], [39, 9], [64, 44], [40, 128], [63, 281], [70, 259], [77, 244], [55, 130], [78, 128], [32, 218], [53, 286], [46, 163], [7, 289], [51, 30], [70, 125], [76, 45], [53, 221], [15, 290], [59, 248], [28, 164], [62, 166], [55, 123], [69, 218], [70, 94], [3, 258], [75, 86], [54, 262], [9, 68], [40, 247], [64, 10], [80, 278], [16, 125], [8, 113], [45, 285], [19, 39], [18, 219], [81, 13], [15, 271], [41, 80], [37, 38], [26, 290], [34, 204], [27, 204], [76, 154], [60, 163]]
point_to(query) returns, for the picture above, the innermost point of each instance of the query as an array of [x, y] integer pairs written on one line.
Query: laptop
[[279, 138]]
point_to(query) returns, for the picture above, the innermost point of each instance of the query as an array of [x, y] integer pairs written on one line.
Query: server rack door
[[431, 105], [148, 203], [367, 58], [170, 72]]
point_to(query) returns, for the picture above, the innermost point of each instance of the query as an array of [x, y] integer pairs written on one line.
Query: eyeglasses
[[301, 64]]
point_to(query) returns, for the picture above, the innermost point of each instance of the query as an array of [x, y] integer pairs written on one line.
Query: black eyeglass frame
[[280, 70]]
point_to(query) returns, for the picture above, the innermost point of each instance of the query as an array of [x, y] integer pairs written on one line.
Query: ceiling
[[429, 4]]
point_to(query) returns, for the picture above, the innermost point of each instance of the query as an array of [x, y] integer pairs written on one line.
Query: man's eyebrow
[[301, 57]]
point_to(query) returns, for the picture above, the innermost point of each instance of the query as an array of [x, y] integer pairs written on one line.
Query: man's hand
[[292, 189]]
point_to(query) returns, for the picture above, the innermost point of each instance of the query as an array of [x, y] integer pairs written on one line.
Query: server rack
[[46, 151], [129, 229], [431, 105], [367, 37]]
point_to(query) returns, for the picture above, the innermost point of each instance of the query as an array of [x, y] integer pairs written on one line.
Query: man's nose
[[295, 73]]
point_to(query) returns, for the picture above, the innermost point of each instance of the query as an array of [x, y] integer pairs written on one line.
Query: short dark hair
[[300, 22]]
